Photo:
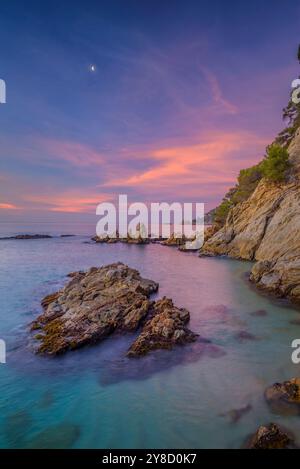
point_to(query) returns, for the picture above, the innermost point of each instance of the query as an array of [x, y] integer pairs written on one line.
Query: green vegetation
[[221, 212], [273, 168], [276, 163], [248, 180]]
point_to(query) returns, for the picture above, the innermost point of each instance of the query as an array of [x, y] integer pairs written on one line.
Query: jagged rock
[[210, 230], [284, 397], [266, 228], [174, 241], [91, 306], [138, 240], [270, 436], [164, 329], [102, 300], [180, 242], [128, 240], [100, 239]]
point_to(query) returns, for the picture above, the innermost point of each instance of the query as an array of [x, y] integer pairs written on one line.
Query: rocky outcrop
[[266, 229], [174, 240], [284, 398], [140, 237], [164, 329], [96, 303], [128, 240], [270, 436], [36, 236], [28, 236]]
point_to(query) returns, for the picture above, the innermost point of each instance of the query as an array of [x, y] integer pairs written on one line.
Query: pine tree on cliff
[[298, 55]]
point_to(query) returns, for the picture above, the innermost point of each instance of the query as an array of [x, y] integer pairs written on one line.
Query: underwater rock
[[55, 437], [243, 336], [236, 414], [16, 426], [123, 369], [47, 400], [259, 313]]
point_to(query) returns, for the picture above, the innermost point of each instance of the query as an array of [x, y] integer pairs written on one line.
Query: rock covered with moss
[[91, 306], [96, 303]]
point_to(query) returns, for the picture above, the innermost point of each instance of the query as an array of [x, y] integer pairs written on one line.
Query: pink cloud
[[6, 206], [210, 161], [71, 201]]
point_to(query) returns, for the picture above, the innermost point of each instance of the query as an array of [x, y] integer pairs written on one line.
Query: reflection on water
[[207, 394]]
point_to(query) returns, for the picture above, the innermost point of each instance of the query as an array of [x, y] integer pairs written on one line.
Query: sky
[[181, 96]]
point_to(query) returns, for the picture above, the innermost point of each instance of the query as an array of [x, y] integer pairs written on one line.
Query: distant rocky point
[[28, 236], [36, 236]]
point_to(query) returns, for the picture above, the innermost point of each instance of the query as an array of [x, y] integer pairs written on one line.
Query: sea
[[196, 396]]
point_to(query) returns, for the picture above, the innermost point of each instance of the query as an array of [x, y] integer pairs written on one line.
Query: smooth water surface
[[97, 398]]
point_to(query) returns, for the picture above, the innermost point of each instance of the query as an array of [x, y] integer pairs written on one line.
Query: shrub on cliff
[[276, 163], [248, 180], [221, 212]]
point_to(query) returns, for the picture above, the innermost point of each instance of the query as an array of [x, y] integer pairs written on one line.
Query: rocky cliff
[[266, 229]]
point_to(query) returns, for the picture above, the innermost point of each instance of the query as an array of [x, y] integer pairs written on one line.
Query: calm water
[[96, 398]]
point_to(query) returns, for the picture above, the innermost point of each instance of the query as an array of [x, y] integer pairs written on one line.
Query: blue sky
[[185, 93]]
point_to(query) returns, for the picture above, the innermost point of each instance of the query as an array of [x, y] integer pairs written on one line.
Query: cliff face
[[266, 228]]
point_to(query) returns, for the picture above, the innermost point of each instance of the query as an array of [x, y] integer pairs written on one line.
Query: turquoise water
[[96, 398]]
